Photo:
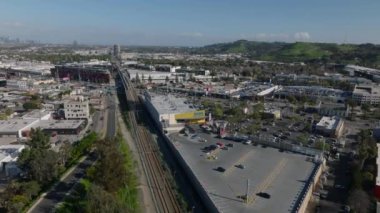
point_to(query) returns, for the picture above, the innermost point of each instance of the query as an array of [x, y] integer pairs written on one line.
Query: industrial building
[[94, 71], [62, 127], [154, 76], [20, 128], [369, 73], [172, 113], [16, 127], [193, 71], [330, 126], [288, 178], [25, 68], [366, 94], [336, 95]]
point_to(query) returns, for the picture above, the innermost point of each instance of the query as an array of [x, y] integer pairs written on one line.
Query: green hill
[[368, 54]]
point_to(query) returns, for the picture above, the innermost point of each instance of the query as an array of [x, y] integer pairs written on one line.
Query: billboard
[[200, 114]]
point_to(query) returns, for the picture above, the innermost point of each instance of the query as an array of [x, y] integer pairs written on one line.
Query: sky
[[190, 22]]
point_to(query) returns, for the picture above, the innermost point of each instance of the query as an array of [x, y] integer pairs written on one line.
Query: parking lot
[[281, 175]]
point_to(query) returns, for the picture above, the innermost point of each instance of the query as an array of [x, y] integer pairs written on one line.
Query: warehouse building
[[62, 127], [89, 72], [16, 127], [172, 113], [145, 76]]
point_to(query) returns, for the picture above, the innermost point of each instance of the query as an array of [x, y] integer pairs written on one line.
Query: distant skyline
[[190, 22]]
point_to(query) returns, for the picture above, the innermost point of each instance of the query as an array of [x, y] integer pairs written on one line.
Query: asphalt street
[[111, 119], [60, 190], [56, 195]]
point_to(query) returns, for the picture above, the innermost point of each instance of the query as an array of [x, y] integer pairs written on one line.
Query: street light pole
[[246, 196]]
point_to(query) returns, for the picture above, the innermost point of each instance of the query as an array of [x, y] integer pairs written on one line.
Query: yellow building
[[172, 113]]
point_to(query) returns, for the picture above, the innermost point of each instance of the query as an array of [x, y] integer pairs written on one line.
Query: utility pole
[[246, 195]]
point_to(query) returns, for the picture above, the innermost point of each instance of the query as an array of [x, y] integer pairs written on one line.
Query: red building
[[88, 73]]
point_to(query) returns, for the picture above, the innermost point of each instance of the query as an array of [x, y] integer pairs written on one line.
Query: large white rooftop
[[328, 122], [13, 125], [169, 104]]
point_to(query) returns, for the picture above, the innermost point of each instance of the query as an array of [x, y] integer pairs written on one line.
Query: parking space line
[[267, 181], [239, 161], [213, 154]]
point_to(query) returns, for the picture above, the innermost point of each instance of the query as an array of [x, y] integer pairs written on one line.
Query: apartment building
[[77, 108]]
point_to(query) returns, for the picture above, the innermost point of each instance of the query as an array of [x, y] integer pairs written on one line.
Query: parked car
[[220, 169], [263, 195], [240, 166], [247, 142]]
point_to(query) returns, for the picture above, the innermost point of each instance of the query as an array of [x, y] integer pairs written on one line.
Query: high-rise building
[[116, 50]]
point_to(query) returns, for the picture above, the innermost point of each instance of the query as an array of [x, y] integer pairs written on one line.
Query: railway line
[[163, 194]]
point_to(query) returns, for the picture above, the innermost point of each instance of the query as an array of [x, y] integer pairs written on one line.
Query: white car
[[247, 142]]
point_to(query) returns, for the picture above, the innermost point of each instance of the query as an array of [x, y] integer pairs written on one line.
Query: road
[[111, 118], [56, 195], [59, 191]]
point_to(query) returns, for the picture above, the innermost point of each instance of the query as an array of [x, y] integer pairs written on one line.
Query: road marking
[[267, 181], [239, 161]]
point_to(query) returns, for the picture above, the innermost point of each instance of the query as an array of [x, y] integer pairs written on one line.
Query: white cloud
[[302, 36]]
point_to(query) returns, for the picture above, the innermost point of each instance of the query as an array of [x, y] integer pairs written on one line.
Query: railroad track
[[164, 196]]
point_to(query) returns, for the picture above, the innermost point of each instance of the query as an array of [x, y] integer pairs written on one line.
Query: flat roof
[[59, 124], [283, 175], [367, 90], [14, 125], [36, 114], [133, 73], [170, 104], [328, 122]]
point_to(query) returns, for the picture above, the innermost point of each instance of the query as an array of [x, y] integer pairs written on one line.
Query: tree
[[137, 78], [64, 152], [217, 111], [31, 105], [99, 201], [319, 144], [143, 78], [38, 161], [30, 189], [109, 170], [8, 111], [359, 201], [302, 138], [17, 203]]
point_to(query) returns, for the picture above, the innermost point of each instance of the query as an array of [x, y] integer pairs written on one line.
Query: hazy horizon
[[189, 23]]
